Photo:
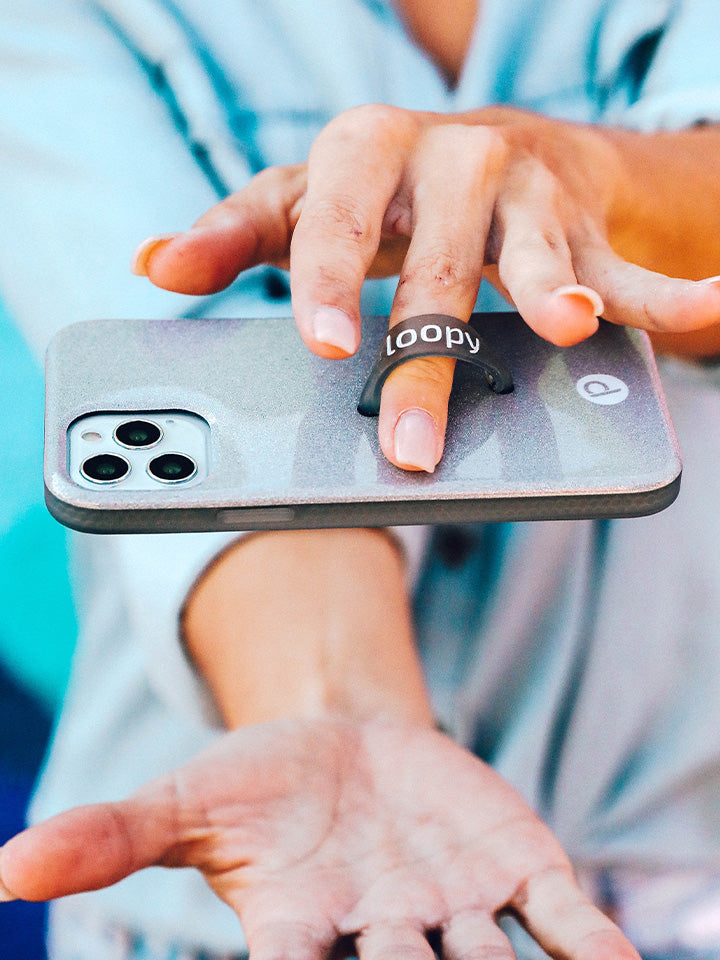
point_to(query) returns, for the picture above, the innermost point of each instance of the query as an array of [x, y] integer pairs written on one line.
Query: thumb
[[248, 228], [88, 847]]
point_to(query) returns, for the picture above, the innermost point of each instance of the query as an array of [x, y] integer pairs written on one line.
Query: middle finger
[[452, 186]]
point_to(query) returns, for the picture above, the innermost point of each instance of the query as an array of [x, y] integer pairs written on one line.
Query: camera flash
[[92, 436]]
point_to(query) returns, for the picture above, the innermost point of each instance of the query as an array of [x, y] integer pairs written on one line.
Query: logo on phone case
[[602, 388]]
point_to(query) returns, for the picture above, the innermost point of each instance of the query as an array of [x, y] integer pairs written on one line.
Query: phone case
[[585, 432]]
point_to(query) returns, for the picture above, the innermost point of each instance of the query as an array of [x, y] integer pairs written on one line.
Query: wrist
[[306, 624]]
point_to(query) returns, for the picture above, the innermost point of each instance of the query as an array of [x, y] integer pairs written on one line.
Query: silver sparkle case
[[585, 433]]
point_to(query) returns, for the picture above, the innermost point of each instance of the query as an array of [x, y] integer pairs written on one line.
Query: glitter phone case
[[277, 442]]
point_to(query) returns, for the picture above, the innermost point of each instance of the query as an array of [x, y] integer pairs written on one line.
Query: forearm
[[302, 623]]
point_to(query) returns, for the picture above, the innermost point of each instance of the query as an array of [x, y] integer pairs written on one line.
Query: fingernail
[[415, 440], [584, 293], [335, 328], [142, 254]]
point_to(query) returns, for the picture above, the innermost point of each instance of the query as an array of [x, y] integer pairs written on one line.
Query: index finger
[[354, 170]]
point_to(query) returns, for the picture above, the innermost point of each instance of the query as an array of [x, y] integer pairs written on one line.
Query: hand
[[437, 198], [317, 830]]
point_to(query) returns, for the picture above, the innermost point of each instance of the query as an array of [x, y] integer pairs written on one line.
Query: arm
[[348, 816], [569, 220], [307, 623]]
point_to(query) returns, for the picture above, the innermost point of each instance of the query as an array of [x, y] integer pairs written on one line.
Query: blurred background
[[37, 622]]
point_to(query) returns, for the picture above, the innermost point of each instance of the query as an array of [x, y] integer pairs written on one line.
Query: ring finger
[[535, 265]]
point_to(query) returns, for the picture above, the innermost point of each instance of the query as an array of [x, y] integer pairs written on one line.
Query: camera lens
[[138, 433], [172, 467], [105, 468]]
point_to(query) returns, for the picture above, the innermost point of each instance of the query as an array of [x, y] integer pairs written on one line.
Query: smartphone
[[192, 425]]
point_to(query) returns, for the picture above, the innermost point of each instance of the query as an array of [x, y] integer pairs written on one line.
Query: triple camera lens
[[138, 435], [105, 468], [172, 467]]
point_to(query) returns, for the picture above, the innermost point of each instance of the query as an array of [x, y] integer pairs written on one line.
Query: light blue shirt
[[128, 117]]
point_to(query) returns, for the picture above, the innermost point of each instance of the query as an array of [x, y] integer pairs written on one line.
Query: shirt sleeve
[[658, 64], [90, 163], [157, 573]]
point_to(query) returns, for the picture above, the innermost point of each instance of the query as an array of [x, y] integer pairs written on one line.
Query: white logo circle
[[602, 388]]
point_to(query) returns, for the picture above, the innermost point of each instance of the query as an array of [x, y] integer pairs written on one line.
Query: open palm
[[317, 830]]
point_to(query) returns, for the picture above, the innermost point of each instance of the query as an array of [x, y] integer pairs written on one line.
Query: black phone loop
[[432, 335]]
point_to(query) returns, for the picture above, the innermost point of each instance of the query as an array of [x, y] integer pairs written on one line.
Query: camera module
[[172, 468], [105, 468], [138, 433]]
